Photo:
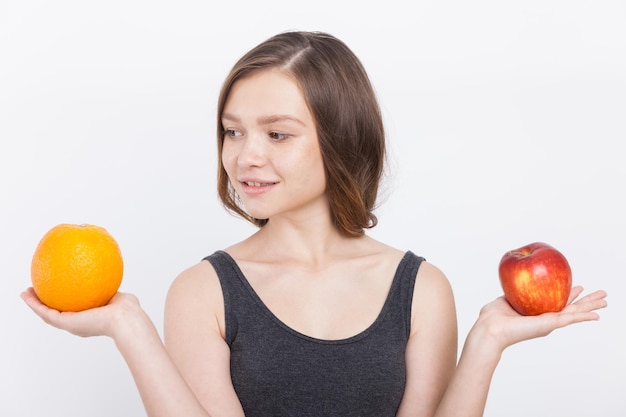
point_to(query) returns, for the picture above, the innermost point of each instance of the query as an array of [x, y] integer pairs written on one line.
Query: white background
[[506, 125]]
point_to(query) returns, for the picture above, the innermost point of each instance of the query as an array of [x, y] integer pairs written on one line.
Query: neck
[[313, 242]]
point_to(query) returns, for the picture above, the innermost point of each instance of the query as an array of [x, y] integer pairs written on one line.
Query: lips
[[257, 184]]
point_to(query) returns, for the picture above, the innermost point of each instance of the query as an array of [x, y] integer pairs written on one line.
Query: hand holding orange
[[76, 267]]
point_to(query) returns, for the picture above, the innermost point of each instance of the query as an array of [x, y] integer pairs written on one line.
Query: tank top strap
[[400, 298], [234, 290]]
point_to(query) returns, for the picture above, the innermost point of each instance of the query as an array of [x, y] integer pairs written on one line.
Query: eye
[[278, 136], [231, 133]]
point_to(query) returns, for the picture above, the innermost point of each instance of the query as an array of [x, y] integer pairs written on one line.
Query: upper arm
[[432, 347], [195, 338]]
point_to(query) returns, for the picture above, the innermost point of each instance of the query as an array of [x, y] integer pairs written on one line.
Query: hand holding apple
[[536, 279]]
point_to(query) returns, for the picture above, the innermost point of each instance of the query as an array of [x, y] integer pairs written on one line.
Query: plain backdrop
[[506, 125]]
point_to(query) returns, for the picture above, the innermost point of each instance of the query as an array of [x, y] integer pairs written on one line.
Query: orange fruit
[[76, 267]]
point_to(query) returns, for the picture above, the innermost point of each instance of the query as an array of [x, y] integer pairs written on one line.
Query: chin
[[257, 214]]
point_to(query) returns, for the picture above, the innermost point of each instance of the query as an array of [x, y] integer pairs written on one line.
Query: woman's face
[[271, 151]]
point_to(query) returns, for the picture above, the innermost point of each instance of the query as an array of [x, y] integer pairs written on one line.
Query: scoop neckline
[[402, 264]]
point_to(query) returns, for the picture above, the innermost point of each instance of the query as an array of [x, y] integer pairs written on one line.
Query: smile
[[256, 187], [258, 184]]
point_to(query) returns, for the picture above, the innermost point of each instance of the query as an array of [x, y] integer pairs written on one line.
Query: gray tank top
[[277, 371]]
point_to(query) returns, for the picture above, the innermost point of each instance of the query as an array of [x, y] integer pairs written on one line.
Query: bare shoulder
[[199, 280], [431, 278], [193, 278], [195, 293], [432, 295]]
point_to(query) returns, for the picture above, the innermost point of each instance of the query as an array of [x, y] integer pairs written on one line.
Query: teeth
[[256, 184]]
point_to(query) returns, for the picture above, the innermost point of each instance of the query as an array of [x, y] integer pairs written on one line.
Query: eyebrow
[[266, 120]]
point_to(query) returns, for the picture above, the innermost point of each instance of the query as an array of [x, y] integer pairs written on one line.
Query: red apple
[[536, 279]]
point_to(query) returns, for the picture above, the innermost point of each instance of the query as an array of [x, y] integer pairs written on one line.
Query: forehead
[[266, 93]]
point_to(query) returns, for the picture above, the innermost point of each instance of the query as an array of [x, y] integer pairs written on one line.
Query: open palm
[[98, 321], [508, 327]]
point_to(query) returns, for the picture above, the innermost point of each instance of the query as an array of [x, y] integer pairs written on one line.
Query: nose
[[252, 151]]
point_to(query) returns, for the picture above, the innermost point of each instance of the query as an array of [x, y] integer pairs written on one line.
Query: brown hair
[[349, 121]]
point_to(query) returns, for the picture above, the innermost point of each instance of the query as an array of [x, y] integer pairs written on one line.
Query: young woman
[[309, 316]]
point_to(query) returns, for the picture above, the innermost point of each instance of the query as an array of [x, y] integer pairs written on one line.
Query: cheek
[[318, 161], [228, 158], [312, 167]]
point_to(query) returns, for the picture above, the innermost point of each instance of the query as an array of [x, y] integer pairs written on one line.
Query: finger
[[46, 313], [591, 302], [577, 290], [27, 293], [578, 317], [574, 293], [594, 296], [30, 298]]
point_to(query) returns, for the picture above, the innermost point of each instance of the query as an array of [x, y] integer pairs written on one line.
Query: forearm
[[163, 390], [467, 391], [498, 327]]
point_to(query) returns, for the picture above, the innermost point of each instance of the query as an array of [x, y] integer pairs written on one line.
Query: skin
[[271, 145]]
